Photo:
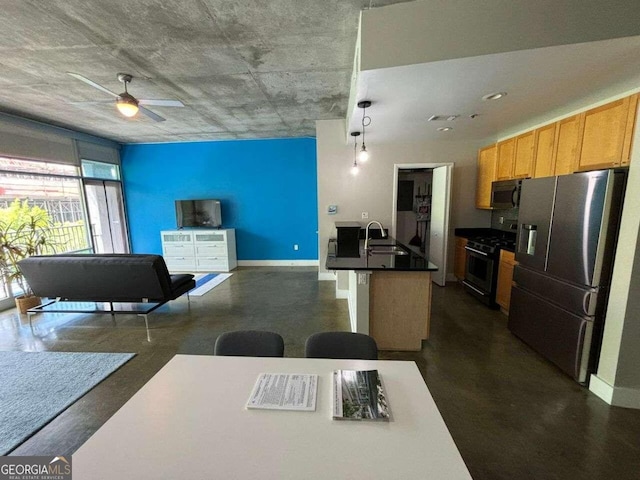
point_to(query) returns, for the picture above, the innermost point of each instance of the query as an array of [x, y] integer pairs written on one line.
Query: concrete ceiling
[[538, 83], [243, 69]]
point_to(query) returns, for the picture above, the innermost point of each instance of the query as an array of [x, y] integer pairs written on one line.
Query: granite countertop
[[413, 262]]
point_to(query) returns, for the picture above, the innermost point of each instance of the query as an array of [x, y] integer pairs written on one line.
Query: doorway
[[106, 216], [421, 209]]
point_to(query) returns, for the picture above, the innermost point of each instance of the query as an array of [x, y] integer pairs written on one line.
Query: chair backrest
[[249, 343], [341, 345]]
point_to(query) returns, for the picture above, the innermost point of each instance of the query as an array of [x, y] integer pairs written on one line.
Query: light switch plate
[[332, 209]]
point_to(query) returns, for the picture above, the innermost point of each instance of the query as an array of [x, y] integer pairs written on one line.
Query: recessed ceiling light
[[445, 129], [494, 96]]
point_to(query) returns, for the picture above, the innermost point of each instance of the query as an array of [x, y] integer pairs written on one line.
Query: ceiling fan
[[126, 103]]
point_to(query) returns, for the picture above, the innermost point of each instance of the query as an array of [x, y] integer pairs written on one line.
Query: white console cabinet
[[199, 250]]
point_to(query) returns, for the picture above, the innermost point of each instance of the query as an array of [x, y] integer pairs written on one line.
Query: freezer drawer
[[580, 300], [559, 336]]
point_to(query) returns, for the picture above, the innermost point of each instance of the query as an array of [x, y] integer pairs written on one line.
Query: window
[[28, 187], [103, 171]]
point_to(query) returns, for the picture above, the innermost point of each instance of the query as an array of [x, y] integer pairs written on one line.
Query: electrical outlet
[[295, 246], [365, 215]]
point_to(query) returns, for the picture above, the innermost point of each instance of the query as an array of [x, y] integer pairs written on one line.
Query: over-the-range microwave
[[505, 194]]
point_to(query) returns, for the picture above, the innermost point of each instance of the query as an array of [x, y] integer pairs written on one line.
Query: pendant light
[[354, 168], [366, 121]]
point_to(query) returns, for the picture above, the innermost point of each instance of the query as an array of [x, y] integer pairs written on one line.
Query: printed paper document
[[284, 391]]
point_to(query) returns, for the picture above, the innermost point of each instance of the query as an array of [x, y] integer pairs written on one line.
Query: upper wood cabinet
[[523, 159], [631, 127], [486, 175], [543, 151], [506, 156], [567, 145], [598, 138], [605, 131]]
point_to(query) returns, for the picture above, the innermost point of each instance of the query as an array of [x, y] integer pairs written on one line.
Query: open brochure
[[358, 395], [284, 391]]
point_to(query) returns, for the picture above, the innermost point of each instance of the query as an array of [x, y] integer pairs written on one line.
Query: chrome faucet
[[366, 242]]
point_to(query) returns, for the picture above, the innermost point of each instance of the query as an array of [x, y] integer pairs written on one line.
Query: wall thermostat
[[332, 209]]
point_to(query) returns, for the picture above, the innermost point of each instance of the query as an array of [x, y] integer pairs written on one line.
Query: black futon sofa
[[139, 280]]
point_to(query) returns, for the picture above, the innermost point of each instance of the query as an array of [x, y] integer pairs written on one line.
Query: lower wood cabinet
[[505, 279], [399, 309], [460, 258]]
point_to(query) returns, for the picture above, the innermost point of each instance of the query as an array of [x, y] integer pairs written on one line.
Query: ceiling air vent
[[443, 118]]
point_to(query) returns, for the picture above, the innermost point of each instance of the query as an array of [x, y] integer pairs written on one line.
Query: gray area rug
[[35, 387]]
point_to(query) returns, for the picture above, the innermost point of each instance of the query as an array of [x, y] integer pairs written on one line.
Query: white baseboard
[[616, 396], [327, 276], [278, 263]]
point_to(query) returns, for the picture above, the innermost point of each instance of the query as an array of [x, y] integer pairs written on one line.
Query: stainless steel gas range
[[483, 257]]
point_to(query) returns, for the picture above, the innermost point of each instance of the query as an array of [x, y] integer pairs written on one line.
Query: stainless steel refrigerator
[[567, 234]]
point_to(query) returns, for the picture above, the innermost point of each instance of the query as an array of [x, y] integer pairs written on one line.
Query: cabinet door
[[506, 154], [505, 279], [486, 175], [543, 151], [523, 161], [567, 146], [460, 258], [631, 127], [603, 139]]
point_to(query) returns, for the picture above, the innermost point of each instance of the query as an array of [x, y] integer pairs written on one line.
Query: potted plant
[[24, 231]]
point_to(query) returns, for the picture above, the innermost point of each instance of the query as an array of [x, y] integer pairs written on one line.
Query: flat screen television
[[198, 213]]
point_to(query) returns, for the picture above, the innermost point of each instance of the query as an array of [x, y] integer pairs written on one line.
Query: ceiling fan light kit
[[126, 103]]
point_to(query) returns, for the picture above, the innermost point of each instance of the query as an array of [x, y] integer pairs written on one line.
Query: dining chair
[[249, 343], [341, 345]]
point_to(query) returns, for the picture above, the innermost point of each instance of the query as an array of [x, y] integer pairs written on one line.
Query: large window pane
[[52, 190]]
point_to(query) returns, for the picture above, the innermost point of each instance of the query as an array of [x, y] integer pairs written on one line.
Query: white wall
[[426, 31], [372, 189], [619, 366]]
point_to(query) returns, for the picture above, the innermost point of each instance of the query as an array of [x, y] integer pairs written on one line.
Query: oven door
[[479, 275]]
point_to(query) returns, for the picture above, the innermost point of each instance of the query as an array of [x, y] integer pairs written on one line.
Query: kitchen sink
[[387, 250]]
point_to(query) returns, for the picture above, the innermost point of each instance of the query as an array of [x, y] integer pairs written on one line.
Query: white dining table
[[190, 421]]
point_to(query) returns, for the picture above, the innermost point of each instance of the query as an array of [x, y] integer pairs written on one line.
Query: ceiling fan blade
[[161, 103], [92, 83], [97, 102], [151, 115]]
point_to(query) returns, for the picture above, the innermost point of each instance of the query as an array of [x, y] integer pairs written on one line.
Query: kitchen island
[[389, 293]]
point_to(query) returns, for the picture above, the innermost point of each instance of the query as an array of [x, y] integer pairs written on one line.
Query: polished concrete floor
[[512, 414]]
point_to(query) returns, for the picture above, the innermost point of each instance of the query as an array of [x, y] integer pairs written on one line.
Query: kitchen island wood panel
[[399, 309]]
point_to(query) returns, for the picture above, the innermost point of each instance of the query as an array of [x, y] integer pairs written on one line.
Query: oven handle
[[476, 251], [467, 284]]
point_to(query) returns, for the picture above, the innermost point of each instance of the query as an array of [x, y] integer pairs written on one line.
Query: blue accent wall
[[267, 188]]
